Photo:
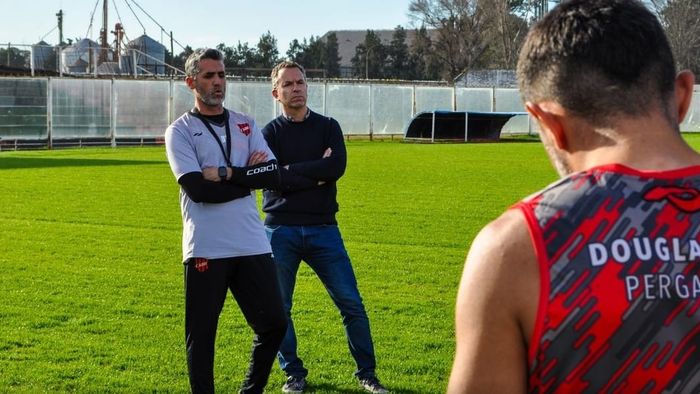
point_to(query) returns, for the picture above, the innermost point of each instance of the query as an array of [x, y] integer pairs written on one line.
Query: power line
[[136, 16], [156, 22], [50, 31], [92, 17]]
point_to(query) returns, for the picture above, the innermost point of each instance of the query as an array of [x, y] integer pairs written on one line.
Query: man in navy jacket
[[301, 225]]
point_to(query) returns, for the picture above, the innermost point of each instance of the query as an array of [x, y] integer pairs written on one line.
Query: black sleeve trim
[[199, 189]]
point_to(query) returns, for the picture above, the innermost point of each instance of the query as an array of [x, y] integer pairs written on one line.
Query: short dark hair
[[285, 64], [192, 63], [598, 58]]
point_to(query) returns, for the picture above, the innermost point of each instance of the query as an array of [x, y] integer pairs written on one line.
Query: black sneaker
[[294, 385], [372, 385]]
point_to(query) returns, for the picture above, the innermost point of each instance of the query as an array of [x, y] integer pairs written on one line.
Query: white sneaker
[[294, 385], [372, 385]]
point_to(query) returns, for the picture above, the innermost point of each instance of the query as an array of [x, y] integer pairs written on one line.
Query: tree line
[[454, 36]]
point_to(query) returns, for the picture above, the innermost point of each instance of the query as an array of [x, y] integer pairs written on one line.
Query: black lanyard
[[227, 152]]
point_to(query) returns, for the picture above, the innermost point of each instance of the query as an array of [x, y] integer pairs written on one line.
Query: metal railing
[[50, 111]]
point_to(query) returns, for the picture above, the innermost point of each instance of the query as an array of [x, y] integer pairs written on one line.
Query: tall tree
[[459, 25], [181, 58], [296, 50], [317, 54], [243, 55], [267, 54], [423, 65], [331, 60], [681, 19], [312, 57], [14, 57], [398, 55], [370, 57], [228, 52], [505, 31]]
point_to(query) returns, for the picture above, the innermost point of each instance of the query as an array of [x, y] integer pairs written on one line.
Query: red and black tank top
[[619, 258]]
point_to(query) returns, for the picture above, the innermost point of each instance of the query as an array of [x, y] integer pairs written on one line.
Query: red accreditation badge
[[245, 128], [201, 264]]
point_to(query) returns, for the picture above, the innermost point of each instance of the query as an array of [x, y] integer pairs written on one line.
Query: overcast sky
[[200, 22]]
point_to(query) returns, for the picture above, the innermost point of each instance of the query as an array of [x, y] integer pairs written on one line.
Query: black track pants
[[253, 283]]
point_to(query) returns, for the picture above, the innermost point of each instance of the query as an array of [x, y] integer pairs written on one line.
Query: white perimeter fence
[[46, 112]]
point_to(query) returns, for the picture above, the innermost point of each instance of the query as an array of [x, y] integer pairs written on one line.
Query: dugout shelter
[[457, 126]]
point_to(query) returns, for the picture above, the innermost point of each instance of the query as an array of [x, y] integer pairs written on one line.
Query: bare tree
[[681, 20], [506, 30], [459, 24]]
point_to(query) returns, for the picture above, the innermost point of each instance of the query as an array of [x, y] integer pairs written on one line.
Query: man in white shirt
[[224, 244]]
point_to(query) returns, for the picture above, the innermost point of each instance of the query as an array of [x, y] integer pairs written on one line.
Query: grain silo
[[44, 56], [149, 54], [80, 57]]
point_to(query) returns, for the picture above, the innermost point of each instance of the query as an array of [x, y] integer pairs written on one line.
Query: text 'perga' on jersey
[[619, 261]]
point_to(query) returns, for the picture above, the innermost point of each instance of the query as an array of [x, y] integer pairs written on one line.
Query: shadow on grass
[[7, 163], [329, 388]]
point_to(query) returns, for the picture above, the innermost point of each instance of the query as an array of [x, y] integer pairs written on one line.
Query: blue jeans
[[322, 248]]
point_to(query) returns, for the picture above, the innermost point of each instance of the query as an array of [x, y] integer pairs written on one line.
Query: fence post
[[454, 97], [171, 101], [325, 98], [113, 114], [413, 101], [31, 59], [371, 132], [60, 61], [49, 112]]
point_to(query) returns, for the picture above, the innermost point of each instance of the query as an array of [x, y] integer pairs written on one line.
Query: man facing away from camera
[[301, 225], [224, 244], [592, 284]]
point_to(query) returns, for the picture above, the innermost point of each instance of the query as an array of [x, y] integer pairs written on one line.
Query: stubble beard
[[559, 163], [209, 99]]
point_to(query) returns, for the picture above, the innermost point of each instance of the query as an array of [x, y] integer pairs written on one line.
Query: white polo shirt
[[220, 230]]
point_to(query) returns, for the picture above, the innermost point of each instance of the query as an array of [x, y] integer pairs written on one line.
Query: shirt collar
[[291, 119]]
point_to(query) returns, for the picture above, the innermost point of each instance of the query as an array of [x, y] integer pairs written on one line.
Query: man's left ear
[[684, 93], [550, 117], [189, 80]]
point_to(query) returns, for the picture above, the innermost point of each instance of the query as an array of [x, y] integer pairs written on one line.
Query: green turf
[[92, 279]]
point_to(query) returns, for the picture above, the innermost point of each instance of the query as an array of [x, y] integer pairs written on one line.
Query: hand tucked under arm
[[291, 182], [330, 167]]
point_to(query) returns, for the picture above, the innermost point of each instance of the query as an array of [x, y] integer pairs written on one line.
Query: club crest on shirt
[[685, 199], [201, 264], [245, 128]]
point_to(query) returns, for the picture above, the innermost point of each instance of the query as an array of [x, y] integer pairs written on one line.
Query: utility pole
[[104, 45], [60, 27], [172, 50]]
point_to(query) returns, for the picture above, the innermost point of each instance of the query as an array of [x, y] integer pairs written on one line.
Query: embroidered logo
[[201, 264], [245, 128], [197, 134], [685, 199]]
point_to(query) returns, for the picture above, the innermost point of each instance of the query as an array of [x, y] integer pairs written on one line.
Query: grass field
[[92, 288]]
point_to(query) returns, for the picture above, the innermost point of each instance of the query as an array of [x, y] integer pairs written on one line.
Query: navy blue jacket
[[300, 200]]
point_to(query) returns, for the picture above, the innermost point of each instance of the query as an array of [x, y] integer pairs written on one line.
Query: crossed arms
[[207, 186]]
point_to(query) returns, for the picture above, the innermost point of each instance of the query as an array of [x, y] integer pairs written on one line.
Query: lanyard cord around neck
[[227, 151]]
